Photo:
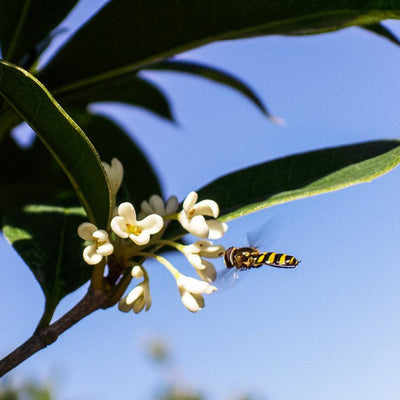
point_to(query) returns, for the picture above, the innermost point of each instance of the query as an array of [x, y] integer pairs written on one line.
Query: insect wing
[[265, 234], [226, 278]]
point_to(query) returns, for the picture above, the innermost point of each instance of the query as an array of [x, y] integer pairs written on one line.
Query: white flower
[[203, 248], [115, 173], [192, 218], [100, 246], [139, 297], [137, 272], [125, 225], [191, 291], [156, 205]]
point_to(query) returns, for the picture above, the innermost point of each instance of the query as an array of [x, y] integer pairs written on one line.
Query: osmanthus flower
[[156, 205], [192, 218], [115, 173], [100, 245], [139, 297], [125, 225], [203, 248], [191, 291]]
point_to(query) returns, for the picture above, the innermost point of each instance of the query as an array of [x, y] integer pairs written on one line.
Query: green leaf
[[299, 176], [46, 238], [215, 75], [381, 30], [33, 177], [26, 23], [62, 137], [128, 88], [140, 180], [153, 30]]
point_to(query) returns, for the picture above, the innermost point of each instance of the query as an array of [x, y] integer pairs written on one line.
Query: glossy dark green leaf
[[26, 23], [381, 30], [299, 176], [45, 237], [33, 177], [147, 31], [216, 75], [128, 88], [62, 137], [140, 180]]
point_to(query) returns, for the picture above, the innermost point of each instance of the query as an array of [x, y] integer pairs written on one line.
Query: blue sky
[[327, 330]]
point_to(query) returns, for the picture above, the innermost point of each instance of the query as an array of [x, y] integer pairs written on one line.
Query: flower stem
[[173, 216], [162, 261], [166, 242]]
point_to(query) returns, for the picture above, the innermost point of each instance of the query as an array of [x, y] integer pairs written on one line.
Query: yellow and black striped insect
[[244, 258]]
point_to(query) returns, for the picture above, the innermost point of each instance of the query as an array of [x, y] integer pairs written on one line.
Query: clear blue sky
[[329, 329]]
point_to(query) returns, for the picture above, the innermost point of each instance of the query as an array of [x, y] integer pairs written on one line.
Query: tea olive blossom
[[191, 291], [115, 173], [195, 253], [100, 245], [139, 297], [133, 239], [192, 218], [126, 225]]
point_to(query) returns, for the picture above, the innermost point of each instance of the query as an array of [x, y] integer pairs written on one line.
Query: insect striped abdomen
[[277, 260]]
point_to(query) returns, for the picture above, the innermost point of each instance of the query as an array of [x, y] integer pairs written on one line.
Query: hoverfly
[[238, 259], [243, 258]]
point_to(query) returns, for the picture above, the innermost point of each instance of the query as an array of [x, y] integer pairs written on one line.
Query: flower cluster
[[133, 237]]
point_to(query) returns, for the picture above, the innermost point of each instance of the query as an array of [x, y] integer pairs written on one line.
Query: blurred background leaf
[[128, 88], [216, 75], [151, 31], [26, 23]]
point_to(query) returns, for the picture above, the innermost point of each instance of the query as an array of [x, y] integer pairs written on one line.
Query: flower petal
[[199, 246], [191, 302], [194, 285], [101, 235], [206, 207], [157, 204], [118, 225], [213, 251], [134, 294], [216, 228], [138, 305], [208, 272], [105, 249], [127, 211], [117, 173], [189, 202], [147, 297], [137, 272], [141, 239], [86, 230], [195, 260], [122, 306], [196, 226], [172, 205], [152, 223], [145, 208], [90, 255]]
